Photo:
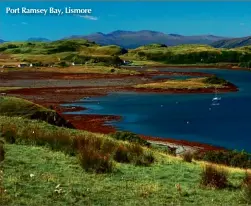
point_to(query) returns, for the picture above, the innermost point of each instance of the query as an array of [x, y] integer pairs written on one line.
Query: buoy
[[187, 122]]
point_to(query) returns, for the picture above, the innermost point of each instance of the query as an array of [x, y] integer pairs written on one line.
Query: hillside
[[188, 54], [79, 51], [134, 39], [232, 43]]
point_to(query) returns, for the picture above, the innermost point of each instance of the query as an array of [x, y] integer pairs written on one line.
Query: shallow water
[[185, 116]]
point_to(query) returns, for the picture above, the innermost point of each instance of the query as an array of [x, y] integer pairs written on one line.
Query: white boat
[[216, 99]]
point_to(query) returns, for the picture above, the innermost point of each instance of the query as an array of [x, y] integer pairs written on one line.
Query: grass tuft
[[187, 157], [91, 158], [246, 188], [214, 177]]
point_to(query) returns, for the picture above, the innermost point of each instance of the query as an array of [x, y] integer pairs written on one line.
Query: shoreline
[[177, 66], [54, 97]]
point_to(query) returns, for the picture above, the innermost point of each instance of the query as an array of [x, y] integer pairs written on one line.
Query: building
[[125, 62]]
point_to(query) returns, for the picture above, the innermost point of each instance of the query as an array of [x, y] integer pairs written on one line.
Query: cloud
[[88, 17], [24, 23], [242, 24]]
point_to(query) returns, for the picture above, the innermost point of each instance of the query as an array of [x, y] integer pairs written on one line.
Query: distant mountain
[[232, 43], [1, 41], [38, 39], [133, 39]]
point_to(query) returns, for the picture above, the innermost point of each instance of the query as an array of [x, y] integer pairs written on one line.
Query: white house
[[126, 62]]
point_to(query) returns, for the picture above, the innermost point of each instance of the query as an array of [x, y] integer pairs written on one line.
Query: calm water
[[185, 116]]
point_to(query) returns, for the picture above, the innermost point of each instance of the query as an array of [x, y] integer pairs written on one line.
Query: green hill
[[189, 54], [78, 50]]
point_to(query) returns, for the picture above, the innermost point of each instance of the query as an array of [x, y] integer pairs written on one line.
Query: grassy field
[[38, 176], [192, 83]]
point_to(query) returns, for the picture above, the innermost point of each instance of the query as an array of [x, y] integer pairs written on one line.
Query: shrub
[[139, 156], [215, 80], [2, 152], [135, 154], [187, 157], [109, 146], [214, 177], [130, 137], [145, 160], [229, 158], [246, 185], [9, 132], [92, 158], [94, 161], [122, 154], [171, 150]]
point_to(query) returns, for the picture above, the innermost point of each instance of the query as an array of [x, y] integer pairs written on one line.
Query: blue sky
[[186, 18]]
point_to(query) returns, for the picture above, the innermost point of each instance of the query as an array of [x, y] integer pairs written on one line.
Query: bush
[[92, 159], [122, 154], [2, 152], [9, 133], [130, 137], [246, 185], [139, 156], [187, 157], [135, 154], [214, 177], [145, 160], [215, 80], [171, 150], [229, 158]]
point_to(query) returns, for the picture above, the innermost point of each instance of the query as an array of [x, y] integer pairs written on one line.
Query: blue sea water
[[184, 116]]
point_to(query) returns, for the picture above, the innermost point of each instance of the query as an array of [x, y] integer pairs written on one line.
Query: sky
[[228, 19]]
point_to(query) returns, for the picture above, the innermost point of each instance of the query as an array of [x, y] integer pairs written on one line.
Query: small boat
[[216, 99]]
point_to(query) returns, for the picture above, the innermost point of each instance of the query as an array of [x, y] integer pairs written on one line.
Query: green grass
[[79, 50], [2, 89], [88, 69], [188, 54], [12, 106], [129, 185], [192, 83]]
